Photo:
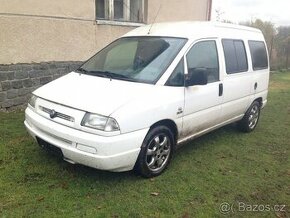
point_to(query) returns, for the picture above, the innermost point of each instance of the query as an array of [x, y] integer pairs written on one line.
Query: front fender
[[145, 111]]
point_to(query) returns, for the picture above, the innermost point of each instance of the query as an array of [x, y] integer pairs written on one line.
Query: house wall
[[32, 39], [174, 10], [84, 9]]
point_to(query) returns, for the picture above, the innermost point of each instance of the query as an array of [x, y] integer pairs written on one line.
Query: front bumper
[[115, 153]]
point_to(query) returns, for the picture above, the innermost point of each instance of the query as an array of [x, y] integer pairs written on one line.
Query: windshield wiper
[[120, 76], [81, 70], [96, 73], [110, 75]]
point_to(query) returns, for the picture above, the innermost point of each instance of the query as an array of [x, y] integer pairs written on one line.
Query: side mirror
[[196, 76]]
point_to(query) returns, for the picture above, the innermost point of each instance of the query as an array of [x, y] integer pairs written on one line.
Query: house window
[[120, 10]]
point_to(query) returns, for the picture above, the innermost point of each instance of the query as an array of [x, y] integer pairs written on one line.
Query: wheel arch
[[259, 100], [168, 123]]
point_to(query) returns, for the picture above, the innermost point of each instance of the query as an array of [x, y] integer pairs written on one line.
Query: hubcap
[[158, 152], [254, 116]]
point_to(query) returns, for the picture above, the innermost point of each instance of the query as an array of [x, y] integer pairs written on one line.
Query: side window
[[235, 56], [203, 56], [177, 76], [241, 56], [258, 54]]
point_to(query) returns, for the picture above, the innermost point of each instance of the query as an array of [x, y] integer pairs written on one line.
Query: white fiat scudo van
[[132, 103]]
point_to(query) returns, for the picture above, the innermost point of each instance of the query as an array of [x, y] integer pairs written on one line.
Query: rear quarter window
[[258, 55]]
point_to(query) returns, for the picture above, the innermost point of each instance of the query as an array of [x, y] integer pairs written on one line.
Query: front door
[[202, 106]]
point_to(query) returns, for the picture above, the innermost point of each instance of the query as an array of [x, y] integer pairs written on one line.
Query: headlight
[[32, 101], [99, 122]]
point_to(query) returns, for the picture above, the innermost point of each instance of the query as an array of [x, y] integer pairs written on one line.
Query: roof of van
[[194, 29]]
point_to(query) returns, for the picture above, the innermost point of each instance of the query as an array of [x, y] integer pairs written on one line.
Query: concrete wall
[[65, 30], [32, 39], [174, 10], [84, 9]]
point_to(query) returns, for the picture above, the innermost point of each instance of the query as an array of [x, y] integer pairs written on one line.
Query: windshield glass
[[137, 59]]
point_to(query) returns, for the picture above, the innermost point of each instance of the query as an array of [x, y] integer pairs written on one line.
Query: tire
[[251, 118], [156, 152]]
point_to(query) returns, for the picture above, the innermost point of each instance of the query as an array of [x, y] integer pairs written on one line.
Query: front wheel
[[251, 118], [156, 152]]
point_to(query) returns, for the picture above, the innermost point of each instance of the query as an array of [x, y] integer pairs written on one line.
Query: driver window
[[203, 56]]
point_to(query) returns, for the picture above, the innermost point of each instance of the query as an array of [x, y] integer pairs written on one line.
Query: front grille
[[57, 114]]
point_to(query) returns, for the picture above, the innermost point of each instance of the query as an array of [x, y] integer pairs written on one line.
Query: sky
[[276, 11]]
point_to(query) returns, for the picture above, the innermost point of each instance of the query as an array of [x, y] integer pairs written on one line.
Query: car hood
[[91, 93]]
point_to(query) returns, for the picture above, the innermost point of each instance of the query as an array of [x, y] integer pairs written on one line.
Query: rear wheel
[[156, 152], [251, 118]]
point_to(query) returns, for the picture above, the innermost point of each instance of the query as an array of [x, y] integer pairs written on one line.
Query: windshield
[[137, 59]]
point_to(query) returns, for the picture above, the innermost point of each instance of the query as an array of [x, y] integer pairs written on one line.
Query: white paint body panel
[[136, 107], [91, 93], [202, 108]]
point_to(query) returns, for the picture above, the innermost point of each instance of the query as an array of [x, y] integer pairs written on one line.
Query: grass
[[222, 166]]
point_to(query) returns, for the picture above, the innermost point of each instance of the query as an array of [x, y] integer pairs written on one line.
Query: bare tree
[[219, 14], [282, 44]]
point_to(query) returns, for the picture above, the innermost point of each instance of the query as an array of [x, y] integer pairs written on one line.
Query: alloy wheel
[[158, 152]]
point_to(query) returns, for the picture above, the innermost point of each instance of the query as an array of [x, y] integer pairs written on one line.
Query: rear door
[[237, 83]]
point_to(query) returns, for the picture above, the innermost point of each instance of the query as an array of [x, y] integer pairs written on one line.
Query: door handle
[[256, 86], [221, 89]]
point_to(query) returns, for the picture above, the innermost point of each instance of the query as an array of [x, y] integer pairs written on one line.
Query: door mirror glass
[[196, 76]]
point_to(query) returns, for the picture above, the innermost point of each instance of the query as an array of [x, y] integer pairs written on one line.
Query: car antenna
[[154, 19]]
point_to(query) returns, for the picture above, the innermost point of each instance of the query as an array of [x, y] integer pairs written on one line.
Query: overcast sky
[[276, 11]]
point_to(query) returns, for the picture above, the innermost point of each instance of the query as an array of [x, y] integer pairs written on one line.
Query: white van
[[157, 86]]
